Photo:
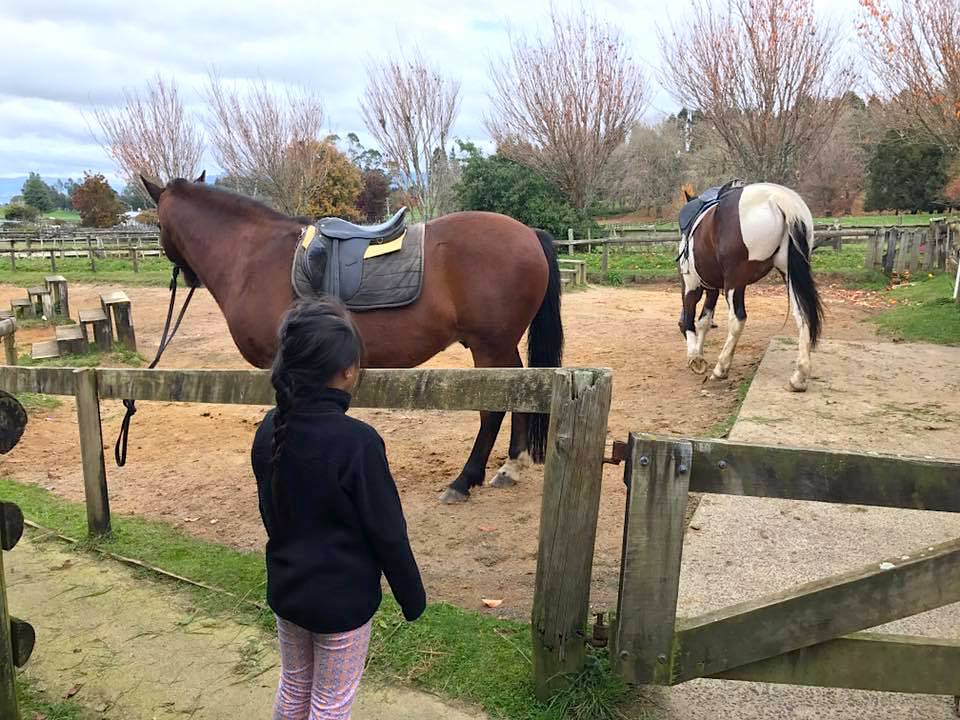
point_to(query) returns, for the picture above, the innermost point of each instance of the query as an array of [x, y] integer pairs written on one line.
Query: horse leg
[[473, 472], [518, 457], [798, 381], [695, 359], [737, 319], [705, 322]]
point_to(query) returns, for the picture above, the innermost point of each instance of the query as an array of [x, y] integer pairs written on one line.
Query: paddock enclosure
[[490, 546]]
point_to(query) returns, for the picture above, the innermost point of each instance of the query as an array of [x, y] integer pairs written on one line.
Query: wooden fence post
[[891, 254], [93, 259], [568, 524], [8, 329], [13, 258], [53, 259], [569, 241], [136, 260], [91, 450], [659, 476], [605, 260], [8, 690]]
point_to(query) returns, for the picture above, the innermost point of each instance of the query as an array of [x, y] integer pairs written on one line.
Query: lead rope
[[120, 449]]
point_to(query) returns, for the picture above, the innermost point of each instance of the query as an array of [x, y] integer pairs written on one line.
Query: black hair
[[317, 341]]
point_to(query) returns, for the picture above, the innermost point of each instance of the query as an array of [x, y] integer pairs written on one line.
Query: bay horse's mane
[[230, 203]]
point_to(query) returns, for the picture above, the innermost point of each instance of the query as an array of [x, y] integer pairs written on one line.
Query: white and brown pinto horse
[[753, 229]]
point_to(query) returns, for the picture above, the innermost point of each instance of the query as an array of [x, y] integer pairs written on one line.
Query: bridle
[[120, 450]]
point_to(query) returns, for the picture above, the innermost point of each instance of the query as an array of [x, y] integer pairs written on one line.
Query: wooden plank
[[915, 239], [864, 661], [890, 238], [658, 475], [818, 611], [45, 350], [498, 389], [123, 320], [731, 468], [8, 690], [91, 451], [568, 524]]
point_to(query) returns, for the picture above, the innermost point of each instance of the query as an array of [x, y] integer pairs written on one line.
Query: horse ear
[[202, 178], [155, 191]]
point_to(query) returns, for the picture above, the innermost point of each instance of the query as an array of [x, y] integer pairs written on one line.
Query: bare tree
[[152, 134], [562, 104], [647, 171], [914, 52], [767, 77], [271, 140], [409, 108]]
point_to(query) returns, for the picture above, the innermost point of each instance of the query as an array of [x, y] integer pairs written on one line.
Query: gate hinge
[[618, 455]]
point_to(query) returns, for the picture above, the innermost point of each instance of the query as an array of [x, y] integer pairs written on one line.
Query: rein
[[120, 450]]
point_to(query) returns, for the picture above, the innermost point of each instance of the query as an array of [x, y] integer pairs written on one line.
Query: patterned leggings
[[320, 673]]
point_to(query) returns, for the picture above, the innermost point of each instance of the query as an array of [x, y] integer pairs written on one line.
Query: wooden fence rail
[[809, 634]]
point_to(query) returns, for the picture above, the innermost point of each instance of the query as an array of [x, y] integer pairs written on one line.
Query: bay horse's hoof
[[698, 365], [502, 479], [453, 497]]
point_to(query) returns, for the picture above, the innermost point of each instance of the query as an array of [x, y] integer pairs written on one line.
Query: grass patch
[[35, 402], [924, 312], [154, 271], [35, 704], [117, 356], [722, 429], [449, 651], [659, 263]]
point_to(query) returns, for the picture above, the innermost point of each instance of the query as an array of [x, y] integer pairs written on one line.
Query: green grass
[[925, 312], [35, 402], [722, 429], [117, 356], [658, 263], [35, 704], [71, 215], [154, 271], [450, 652]]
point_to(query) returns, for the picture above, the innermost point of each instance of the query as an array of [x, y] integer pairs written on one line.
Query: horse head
[[169, 242]]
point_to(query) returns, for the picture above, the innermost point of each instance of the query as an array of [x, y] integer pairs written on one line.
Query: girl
[[332, 515]]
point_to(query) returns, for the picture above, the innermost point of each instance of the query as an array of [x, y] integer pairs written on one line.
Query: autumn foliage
[[97, 202]]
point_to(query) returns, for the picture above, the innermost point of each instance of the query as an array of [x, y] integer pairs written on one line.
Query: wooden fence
[[900, 249], [91, 246], [806, 635], [578, 401]]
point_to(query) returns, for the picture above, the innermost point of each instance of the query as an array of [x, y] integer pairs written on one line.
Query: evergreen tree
[[36, 193]]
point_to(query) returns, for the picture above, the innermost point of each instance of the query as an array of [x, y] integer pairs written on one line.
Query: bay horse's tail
[[802, 286], [545, 343]]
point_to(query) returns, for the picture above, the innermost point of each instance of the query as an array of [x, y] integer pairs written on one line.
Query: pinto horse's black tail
[[800, 278], [545, 343]]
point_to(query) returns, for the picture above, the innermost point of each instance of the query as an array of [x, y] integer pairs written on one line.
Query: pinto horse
[[751, 230], [487, 279]]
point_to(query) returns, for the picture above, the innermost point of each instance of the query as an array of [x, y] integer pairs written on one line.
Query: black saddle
[[340, 229], [335, 255], [703, 202]]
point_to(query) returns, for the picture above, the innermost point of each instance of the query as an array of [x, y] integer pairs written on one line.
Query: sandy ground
[[189, 464], [133, 649], [865, 397]]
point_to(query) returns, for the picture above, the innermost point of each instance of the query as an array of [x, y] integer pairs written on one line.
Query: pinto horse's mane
[[229, 203]]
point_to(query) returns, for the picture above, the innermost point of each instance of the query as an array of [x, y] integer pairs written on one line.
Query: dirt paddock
[[189, 464]]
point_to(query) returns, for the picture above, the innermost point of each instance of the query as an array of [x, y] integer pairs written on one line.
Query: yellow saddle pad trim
[[385, 248], [308, 235]]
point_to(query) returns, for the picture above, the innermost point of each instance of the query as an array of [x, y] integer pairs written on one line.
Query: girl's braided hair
[[317, 341]]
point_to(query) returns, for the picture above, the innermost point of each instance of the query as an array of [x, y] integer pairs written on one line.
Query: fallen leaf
[[492, 603], [487, 528], [73, 691], [191, 519]]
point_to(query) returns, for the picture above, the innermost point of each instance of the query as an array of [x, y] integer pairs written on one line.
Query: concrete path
[[132, 648], [866, 397]]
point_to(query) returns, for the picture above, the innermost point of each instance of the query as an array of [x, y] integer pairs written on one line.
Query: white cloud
[[58, 58]]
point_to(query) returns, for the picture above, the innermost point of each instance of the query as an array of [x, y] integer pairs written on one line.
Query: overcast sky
[[58, 58]]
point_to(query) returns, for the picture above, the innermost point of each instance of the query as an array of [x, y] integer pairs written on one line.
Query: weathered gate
[[809, 634]]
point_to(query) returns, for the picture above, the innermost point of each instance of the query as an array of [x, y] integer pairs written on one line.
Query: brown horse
[[487, 279], [735, 243]]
